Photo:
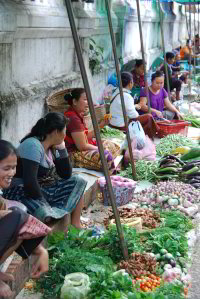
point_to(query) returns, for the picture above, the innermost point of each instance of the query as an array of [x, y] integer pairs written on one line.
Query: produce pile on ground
[[100, 257], [150, 218], [145, 170], [170, 167], [139, 264], [170, 195], [108, 132], [171, 142]]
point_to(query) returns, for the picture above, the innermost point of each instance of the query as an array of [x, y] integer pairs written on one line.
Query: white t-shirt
[[116, 108]]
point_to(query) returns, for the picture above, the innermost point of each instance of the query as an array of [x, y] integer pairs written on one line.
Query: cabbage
[[76, 286]]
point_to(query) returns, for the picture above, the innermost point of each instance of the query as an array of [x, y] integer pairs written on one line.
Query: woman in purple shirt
[[158, 99]]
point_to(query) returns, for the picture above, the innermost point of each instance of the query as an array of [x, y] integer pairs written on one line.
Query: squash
[[193, 153], [181, 150]]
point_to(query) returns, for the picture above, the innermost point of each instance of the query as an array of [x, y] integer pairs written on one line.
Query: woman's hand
[[104, 123], [137, 106], [159, 114], [179, 115], [42, 264], [60, 146]]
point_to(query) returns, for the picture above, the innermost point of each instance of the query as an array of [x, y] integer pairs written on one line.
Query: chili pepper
[[190, 171], [166, 176], [167, 169]]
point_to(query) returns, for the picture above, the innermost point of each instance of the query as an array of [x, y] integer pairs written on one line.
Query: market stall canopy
[[186, 2]]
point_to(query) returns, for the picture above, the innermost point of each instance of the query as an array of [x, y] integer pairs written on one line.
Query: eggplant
[[172, 263], [177, 159], [195, 174], [193, 181], [165, 161], [188, 166], [197, 185]]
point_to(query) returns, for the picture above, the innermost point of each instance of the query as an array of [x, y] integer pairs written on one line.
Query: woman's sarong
[[59, 198], [91, 159], [148, 124], [17, 225]]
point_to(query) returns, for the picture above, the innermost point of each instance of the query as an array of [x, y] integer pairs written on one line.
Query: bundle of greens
[[145, 170], [195, 121], [108, 132], [171, 142]]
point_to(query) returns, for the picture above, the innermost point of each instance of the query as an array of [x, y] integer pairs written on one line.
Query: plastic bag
[[147, 153], [76, 286], [136, 131]]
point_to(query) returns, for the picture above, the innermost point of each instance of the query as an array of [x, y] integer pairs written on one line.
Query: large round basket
[[56, 101]]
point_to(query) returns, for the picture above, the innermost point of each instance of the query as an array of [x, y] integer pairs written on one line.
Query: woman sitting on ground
[[138, 74], [174, 82], [158, 99], [20, 232], [43, 180], [79, 141], [117, 120]]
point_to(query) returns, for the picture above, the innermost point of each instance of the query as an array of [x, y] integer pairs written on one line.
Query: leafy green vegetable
[[108, 132], [145, 170], [171, 142]]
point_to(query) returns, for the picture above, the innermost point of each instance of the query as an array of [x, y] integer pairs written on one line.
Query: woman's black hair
[[74, 94], [46, 125], [126, 78], [157, 74], [169, 55], [138, 62], [6, 149]]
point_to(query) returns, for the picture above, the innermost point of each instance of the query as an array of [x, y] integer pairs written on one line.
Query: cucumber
[[193, 153]]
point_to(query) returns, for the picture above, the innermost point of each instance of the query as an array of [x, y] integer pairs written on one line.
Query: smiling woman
[[19, 231], [80, 142]]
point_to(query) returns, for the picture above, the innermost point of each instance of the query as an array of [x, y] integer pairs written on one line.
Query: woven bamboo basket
[[100, 111], [56, 101]]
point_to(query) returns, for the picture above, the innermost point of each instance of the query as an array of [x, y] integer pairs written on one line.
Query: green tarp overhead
[[187, 2]]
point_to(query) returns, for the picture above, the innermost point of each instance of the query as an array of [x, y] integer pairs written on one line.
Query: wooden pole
[[96, 127], [120, 85], [190, 48], [163, 49], [143, 56]]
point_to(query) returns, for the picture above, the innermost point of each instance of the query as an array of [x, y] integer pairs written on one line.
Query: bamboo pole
[[120, 86], [186, 19], [190, 49], [96, 127], [198, 27], [163, 49], [194, 39], [143, 56]]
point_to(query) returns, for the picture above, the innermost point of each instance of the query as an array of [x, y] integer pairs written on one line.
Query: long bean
[[145, 170], [171, 142]]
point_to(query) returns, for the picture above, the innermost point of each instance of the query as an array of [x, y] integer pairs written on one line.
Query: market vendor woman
[[80, 142], [160, 105], [117, 120], [44, 182]]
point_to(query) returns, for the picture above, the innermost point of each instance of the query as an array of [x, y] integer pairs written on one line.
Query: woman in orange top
[[80, 142]]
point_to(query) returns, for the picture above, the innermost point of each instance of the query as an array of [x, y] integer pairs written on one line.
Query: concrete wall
[[37, 53]]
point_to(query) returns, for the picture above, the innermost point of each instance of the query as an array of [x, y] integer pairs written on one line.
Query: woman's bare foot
[[5, 290]]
